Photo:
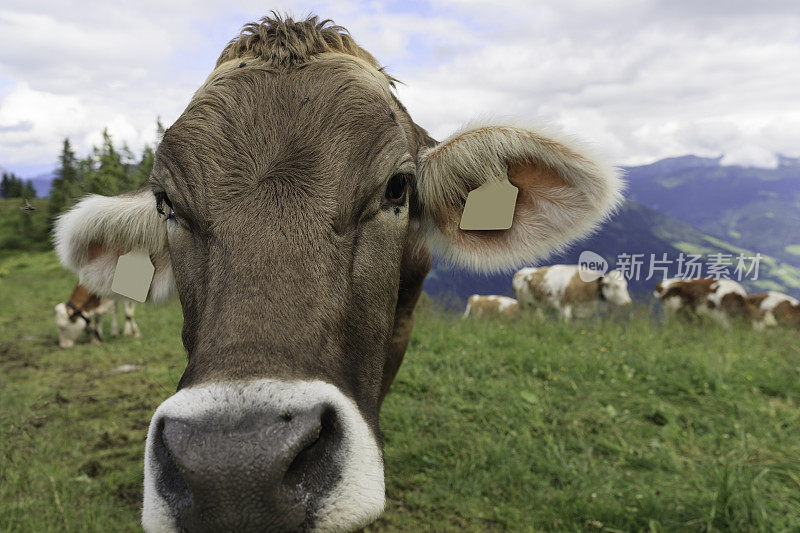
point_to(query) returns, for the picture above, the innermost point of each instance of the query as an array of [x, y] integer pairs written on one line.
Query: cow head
[[69, 328], [300, 206], [615, 288], [73, 316]]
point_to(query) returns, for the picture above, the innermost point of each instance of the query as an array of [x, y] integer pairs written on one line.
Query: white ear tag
[[133, 275], [490, 206]]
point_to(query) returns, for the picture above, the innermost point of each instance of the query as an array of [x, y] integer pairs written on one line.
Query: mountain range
[[683, 205], [41, 183], [752, 208]]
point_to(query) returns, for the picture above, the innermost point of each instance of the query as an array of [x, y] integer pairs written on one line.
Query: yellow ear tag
[[133, 275], [490, 206]]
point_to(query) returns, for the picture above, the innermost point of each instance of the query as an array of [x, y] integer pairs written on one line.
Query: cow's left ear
[[564, 193]]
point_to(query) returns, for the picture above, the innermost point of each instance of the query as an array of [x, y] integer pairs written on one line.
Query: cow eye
[[396, 189], [161, 199]]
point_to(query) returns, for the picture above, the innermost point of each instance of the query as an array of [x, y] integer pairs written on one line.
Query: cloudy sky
[[641, 79]]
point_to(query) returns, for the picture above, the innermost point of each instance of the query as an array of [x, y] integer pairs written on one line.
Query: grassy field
[[622, 424]]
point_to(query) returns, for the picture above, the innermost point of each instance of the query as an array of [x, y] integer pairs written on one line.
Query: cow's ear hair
[[565, 191], [90, 237]]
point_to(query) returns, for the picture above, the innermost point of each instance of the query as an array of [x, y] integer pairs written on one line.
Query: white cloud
[[31, 120], [641, 79]]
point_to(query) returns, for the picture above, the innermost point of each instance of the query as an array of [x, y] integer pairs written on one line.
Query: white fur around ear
[[90, 237], [565, 192]]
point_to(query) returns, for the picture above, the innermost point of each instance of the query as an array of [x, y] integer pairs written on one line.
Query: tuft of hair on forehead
[[284, 42]]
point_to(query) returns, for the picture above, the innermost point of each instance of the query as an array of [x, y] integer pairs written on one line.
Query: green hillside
[[621, 424], [753, 208]]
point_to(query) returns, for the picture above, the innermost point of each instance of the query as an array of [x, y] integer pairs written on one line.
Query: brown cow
[[780, 309], [722, 300], [567, 289], [491, 306], [299, 203], [84, 311]]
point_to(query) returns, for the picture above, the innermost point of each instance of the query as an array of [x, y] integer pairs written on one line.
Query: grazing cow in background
[[778, 308], [722, 300], [84, 311], [295, 204], [561, 288], [491, 306]]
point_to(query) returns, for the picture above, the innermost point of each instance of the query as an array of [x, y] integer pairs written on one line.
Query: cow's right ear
[[91, 236]]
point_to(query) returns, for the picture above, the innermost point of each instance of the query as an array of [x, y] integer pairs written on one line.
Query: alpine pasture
[[621, 423]]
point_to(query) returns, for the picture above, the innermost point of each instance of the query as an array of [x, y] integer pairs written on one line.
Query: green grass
[[793, 249], [620, 424]]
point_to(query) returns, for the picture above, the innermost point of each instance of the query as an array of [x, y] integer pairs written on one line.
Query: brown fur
[[82, 301], [756, 299], [483, 307], [579, 291], [787, 314], [416, 264], [536, 284], [277, 171], [738, 306], [692, 292], [283, 43]]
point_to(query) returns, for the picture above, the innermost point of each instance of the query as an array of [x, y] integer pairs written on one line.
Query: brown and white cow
[[722, 300], [562, 288], [301, 204], [491, 306], [84, 311], [778, 308]]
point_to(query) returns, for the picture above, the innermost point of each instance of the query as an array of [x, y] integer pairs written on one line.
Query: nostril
[[311, 466], [172, 486]]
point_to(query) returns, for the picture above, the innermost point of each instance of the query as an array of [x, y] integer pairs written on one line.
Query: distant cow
[[491, 306], [778, 308], [721, 300], [560, 287], [84, 312]]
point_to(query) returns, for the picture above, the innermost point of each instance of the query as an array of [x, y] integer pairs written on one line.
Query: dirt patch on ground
[[91, 468], [130, 494], [12, 357], [110, 441]]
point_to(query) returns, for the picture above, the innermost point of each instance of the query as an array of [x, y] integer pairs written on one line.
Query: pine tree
[[145, 167], [28, 190], [11, 186], [131, 169], [159, 131], [66, 186], [109, 178]]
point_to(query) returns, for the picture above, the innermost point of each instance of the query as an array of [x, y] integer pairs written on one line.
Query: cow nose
[[265, 471]]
